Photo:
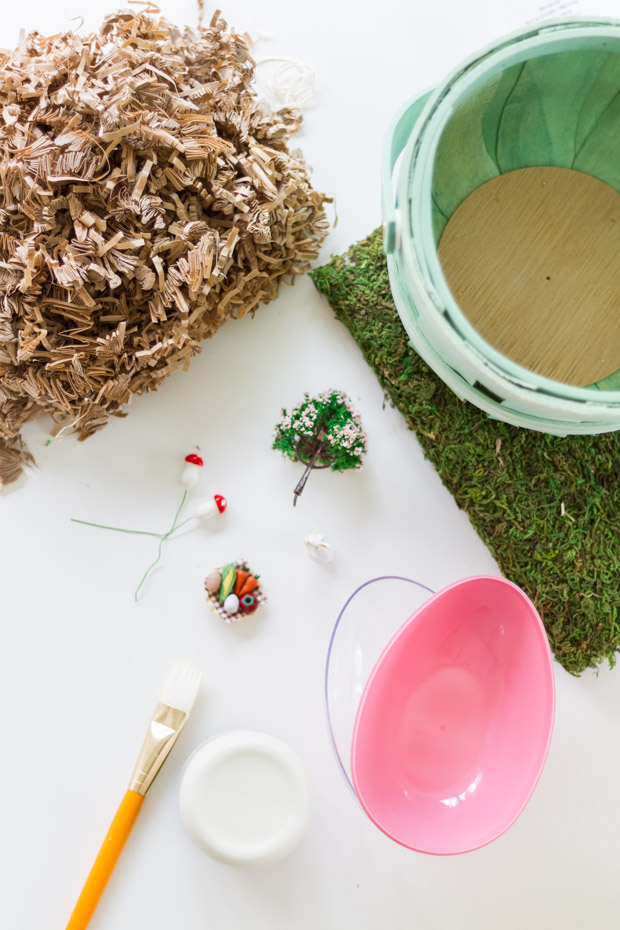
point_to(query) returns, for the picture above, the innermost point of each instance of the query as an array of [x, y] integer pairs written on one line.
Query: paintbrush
[[169, 717]]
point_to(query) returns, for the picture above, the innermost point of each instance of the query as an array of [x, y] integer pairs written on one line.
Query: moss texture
[[548, 508]]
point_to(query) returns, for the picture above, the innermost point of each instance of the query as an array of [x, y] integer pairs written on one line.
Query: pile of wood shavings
[[145, 198]]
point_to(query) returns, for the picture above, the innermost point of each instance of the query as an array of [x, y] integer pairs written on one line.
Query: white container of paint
[[245, 798]]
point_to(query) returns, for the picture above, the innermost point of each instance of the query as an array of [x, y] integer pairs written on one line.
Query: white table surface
[[81, 665]]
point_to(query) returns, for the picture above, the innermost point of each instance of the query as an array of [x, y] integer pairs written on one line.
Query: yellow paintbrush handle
[[106, 860]]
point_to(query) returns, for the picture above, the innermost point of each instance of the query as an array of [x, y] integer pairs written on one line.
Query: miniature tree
[[324, 431]]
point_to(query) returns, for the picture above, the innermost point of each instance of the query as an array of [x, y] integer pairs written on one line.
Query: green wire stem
[[161, 543], [161, 536], [117, 529]]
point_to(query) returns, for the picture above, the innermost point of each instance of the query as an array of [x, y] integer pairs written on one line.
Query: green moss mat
[[547, 508]]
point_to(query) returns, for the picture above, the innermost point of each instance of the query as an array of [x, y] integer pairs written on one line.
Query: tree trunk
[[302, 481]]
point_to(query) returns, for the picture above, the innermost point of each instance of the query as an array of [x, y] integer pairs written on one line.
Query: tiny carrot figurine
[[242, 574], [248, 586]]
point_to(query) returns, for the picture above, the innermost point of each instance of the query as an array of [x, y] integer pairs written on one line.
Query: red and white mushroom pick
[[210, 506], [191, 472]]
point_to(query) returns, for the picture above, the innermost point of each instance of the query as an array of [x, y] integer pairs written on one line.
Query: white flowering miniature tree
[[324, 431]]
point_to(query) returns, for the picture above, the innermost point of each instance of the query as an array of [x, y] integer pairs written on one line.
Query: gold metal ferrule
[[164, 728]]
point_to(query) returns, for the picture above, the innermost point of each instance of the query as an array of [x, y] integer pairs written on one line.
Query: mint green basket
[[546, 96]]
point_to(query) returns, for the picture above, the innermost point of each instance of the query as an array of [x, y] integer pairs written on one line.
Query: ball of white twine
[[292, 83]]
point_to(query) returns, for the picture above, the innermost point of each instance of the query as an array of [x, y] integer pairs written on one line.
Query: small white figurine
[[319, 548]]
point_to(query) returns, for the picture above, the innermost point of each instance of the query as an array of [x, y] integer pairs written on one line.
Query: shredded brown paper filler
[[146, 196]]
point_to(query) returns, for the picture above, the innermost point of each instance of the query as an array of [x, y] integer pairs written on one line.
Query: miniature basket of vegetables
[[234, 592]]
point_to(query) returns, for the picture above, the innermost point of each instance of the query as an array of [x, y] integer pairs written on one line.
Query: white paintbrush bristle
[[181, 687]]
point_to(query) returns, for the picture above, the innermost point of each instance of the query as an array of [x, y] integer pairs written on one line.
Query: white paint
[[245, 798]]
